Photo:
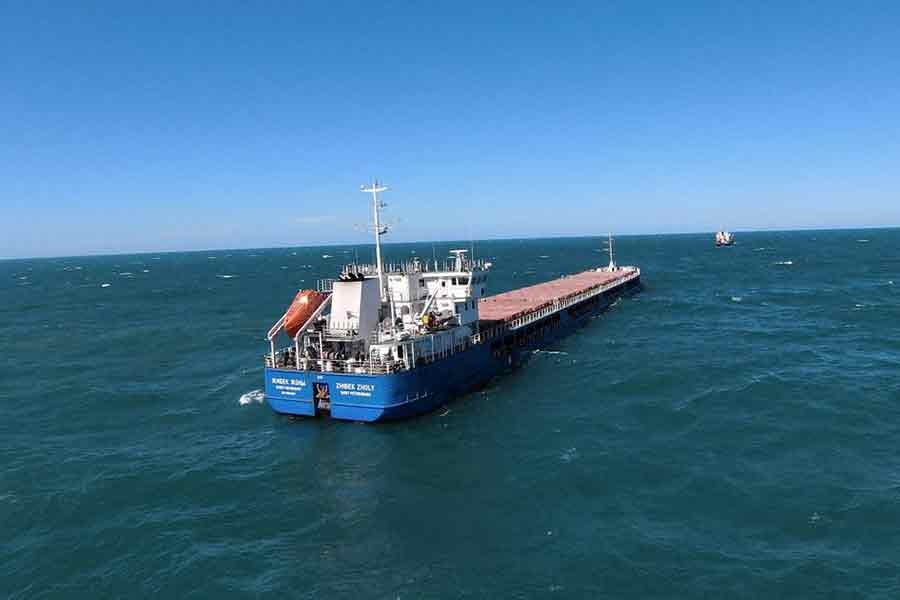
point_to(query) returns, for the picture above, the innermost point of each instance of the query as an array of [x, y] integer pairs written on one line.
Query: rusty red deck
[[509, 305]]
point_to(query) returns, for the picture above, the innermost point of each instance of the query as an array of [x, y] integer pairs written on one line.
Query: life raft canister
[[301, 309]]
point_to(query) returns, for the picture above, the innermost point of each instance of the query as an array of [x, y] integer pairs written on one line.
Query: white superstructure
[[385, 316]]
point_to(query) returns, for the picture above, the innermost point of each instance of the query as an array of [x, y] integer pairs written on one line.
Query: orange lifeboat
[[301, 309]]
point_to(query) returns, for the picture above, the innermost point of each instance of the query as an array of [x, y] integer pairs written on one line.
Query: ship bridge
[[397, 313]]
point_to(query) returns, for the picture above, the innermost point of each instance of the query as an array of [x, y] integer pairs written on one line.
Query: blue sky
[[130, 126]]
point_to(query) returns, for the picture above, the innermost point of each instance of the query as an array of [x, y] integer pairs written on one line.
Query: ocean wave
[[251, 397], [569, 455]]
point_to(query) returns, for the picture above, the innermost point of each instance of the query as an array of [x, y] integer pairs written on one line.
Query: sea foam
[[255, 396]]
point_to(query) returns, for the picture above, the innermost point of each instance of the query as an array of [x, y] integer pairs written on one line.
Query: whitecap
[[126, 274], [212, 257], [543, 256], [736, 298], [862, 241], [226, 276], [250, 397], [783, 262], [569, 455], [553, 352], [105, 285], [759, 249], [145, 271]]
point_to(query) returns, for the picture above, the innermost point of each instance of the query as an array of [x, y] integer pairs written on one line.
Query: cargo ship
[[392, 341]]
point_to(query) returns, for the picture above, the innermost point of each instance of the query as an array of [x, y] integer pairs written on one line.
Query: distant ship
[[389, 341], [724, 238]]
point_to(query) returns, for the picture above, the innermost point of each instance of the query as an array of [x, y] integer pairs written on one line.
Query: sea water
[[730, 431]]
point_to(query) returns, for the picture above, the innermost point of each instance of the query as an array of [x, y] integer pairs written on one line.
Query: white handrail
[[560, 304]]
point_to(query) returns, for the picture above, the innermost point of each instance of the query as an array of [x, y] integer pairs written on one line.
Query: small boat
[[724, 238]]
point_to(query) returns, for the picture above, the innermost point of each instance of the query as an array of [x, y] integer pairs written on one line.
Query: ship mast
[[377, 205], [612, 260]]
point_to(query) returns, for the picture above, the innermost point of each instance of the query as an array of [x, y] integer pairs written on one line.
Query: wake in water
[[255, 396]]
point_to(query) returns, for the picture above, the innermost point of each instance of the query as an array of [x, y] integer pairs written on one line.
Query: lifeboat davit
[[301, 309]]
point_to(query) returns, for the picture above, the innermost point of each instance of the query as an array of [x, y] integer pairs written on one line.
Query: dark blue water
[[731, 431]]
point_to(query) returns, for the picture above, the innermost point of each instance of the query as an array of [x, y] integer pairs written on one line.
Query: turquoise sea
[[732, 431]]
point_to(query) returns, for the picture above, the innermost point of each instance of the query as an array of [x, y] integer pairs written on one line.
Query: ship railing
[[421, 266], [325, 285], [563, 303], [341, 330], [459, 345], [289, 361]]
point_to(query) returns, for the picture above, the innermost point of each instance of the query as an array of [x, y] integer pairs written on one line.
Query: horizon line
[[491, 239]]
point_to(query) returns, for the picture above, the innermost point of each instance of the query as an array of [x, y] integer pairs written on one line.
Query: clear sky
[[128, 126]]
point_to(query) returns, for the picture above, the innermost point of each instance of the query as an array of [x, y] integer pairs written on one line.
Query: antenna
[[380, 229], [459, 259], [612, 260]]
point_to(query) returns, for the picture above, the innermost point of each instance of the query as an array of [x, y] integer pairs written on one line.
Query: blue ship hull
[[358, 397]]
